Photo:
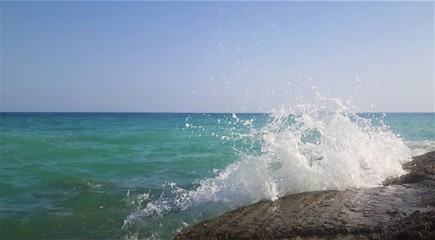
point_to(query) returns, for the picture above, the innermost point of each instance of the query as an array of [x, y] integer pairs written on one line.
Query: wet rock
[[402, 209], [418, 226], [421, 168]]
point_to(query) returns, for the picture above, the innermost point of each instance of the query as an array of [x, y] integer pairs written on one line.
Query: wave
[[420, 147], [307, 147]]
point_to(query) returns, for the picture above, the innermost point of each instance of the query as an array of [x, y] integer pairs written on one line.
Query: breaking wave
[[307, 147]]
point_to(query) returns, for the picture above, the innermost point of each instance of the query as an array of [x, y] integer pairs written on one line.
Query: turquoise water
[[147, 175]]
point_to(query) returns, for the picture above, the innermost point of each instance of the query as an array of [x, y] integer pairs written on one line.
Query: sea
[[149, 175]]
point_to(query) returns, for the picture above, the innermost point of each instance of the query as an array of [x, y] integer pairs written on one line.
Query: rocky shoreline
[[404, 208]]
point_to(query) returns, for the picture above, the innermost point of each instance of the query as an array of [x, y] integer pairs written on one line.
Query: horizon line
[[192, 112]]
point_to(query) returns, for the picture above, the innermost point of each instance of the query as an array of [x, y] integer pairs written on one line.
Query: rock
[[420, 168], [402, 209], [418, 226]]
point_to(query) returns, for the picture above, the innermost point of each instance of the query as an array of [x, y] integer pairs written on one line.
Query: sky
[[215, 56]]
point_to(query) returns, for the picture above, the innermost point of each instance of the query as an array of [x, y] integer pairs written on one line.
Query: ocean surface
[[148, 175]]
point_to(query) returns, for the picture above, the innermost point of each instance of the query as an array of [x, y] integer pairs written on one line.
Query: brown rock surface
[[403, 209], [420, 168]]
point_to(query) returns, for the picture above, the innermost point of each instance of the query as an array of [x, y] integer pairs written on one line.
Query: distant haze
[[215, 56]]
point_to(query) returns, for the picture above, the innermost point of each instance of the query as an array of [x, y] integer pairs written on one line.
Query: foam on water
[[420, 147], [307, 147]]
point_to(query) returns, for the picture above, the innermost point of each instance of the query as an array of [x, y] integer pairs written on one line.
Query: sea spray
[[307, 147], [115, 164]]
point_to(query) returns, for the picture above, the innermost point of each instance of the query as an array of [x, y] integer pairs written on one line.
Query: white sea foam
[[420, 147], [307, 147]]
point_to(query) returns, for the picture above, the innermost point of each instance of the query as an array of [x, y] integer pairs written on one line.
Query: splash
[[307, 147]]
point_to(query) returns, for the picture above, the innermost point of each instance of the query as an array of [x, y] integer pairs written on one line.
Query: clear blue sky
[[215, 56]]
